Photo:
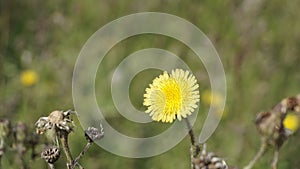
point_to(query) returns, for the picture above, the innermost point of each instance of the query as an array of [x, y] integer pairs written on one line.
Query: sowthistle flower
[[291, 122], [29, 78], [172, 96], [275, 127]]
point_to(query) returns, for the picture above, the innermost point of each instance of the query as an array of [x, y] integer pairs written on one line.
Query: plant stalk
[[192, 138], [258, 155], [63, 136], [275, 159], [87, 146]]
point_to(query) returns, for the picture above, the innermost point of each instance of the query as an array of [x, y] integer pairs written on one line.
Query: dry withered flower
[[51, 154], [92, 134], [56, 119]]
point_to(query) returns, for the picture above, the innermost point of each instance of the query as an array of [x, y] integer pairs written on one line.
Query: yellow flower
[[171, 96], [291, 122], [208, 96], [29, 78], [222, 114]]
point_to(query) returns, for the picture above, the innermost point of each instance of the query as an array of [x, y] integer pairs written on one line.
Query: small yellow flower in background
[[214, 99], [291, 122], [222, 114], [29, 78], [172, 96], [208, 96]]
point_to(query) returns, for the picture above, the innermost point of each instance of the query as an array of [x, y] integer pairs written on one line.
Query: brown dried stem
[[87, 146], [275, 159], [63, 136], [258, 155]]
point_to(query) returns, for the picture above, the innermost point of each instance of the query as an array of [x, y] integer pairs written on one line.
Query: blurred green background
[[258, 43]]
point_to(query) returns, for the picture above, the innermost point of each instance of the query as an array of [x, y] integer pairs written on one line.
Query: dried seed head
[[289, 104], [62, 120], [42, 125], [51, 154], [268, 123], [271, 127], [57, 119], [20, 131], [209, 161], [5, 128], [93, 133]]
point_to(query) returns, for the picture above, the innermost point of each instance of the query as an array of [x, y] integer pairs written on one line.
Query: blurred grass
[[258, 43]]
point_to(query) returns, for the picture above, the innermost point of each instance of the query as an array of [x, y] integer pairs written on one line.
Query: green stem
[[192, 137]]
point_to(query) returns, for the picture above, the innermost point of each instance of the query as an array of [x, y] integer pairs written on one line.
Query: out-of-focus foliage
[[258, 43]]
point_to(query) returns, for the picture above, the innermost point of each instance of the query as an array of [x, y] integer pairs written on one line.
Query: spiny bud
[[51, 154], [209, 161], [93, 133]]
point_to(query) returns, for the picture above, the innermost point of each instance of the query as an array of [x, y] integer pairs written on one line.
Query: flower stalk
[[63, 136], [259, 154], [192, 138], [91, 134]]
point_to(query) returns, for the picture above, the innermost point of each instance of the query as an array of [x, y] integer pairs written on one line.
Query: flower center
[[173, 99]]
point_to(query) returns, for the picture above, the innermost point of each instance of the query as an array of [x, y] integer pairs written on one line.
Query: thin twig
[[87, 146], [275, 159], [258, 155]]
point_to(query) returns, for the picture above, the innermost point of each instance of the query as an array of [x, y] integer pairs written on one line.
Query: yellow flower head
[[291, 122], [171, 96], [29, 78], [210, 98]]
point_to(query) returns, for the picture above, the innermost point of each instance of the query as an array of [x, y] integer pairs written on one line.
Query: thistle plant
[[51, 155], [275, 127], [57, 126], [16, 138], [208, 160], [175, 96], [91, 134], [172, 96]]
